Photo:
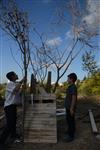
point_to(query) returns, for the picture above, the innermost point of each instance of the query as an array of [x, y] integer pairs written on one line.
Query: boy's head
[[72, 77], [12, 76]]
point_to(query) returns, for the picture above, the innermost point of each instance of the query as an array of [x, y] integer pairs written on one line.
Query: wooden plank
[[40, 109], [41, 137], [41, 140], [45, 96], [50, 111], [40, 117], [39, 126], [2, 117], [31, 119], [40, 120], [38, 134], [93, 124], [60, 112], [42, 130], [37, 112], [41, 123], [41, 105]]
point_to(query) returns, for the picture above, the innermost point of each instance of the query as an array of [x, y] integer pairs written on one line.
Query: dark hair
[[73, 76], [9, 75]]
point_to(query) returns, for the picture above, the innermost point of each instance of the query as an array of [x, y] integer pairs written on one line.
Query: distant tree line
[[90, 85], [2, 90]]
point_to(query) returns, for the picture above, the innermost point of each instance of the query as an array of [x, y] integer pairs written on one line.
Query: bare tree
[[15, 23], [81, 36], [39, 62], [61, 59]]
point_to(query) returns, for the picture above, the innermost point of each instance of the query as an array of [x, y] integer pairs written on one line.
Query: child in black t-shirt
[[70, 105]]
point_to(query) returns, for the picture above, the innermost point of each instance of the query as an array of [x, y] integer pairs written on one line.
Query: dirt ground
[[85, 139]]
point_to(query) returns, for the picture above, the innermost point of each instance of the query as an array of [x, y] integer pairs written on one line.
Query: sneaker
[[3, 147], [17, 140], [69, 139]]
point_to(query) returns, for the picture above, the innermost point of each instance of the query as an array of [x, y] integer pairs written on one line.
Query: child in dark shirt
[[70, 105]]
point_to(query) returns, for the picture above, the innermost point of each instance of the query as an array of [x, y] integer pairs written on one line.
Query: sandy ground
[[85, 139]]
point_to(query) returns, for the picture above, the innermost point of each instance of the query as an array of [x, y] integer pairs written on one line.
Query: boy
[[70, 105], [11, 98]]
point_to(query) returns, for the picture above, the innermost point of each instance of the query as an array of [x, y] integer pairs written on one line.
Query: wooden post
[[33, 85], [48, 86], [93, 124], [2, 117], [32, 88]]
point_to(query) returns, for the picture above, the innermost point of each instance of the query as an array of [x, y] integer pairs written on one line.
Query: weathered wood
[[48, 86], [40, 121], [60, 112], [33, 85], [38, 140], [93, 124], [1, 117]]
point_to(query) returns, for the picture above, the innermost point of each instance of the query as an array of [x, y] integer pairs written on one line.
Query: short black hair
[[10, 74], [73, 76]]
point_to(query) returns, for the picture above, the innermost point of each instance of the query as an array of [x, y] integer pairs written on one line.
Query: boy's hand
[[22, 80], [71, 111]]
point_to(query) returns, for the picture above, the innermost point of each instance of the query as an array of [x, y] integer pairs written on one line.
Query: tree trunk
[[48, 86]]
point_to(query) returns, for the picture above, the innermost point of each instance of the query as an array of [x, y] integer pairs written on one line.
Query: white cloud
[[54, 42], [93, 17], [69, 35]]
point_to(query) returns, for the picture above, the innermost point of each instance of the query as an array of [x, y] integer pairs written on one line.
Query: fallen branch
[[93, 124], [1, 117]]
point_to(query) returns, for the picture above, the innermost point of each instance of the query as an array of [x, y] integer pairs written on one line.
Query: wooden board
[[93, 124], [40, 123]]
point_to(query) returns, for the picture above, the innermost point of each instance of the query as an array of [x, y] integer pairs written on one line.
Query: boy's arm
[[72, 108], [17, 88]]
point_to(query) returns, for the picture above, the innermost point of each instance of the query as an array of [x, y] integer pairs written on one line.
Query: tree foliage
[[2, 90], [89, 63], [91, 85]]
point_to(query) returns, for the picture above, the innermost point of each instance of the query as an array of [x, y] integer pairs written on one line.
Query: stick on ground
[[93, 124]]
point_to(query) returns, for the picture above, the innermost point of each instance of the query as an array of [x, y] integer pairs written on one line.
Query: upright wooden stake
[[93, 124], [32, 88], [48, 86]]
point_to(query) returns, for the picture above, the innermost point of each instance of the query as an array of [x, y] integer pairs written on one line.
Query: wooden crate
[[40, 120]]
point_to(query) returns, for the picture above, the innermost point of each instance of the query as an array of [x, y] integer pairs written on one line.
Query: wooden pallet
[[40, 120]]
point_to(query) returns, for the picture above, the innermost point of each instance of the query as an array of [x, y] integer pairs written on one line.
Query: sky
[[42, 15]]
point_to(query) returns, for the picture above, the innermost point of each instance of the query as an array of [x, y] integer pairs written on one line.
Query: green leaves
[[89, 63], [91, 85]]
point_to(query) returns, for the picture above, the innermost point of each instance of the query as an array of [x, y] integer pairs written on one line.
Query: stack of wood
[[40, 118]]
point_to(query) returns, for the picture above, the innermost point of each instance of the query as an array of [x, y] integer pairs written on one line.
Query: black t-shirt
[[72, 90]]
